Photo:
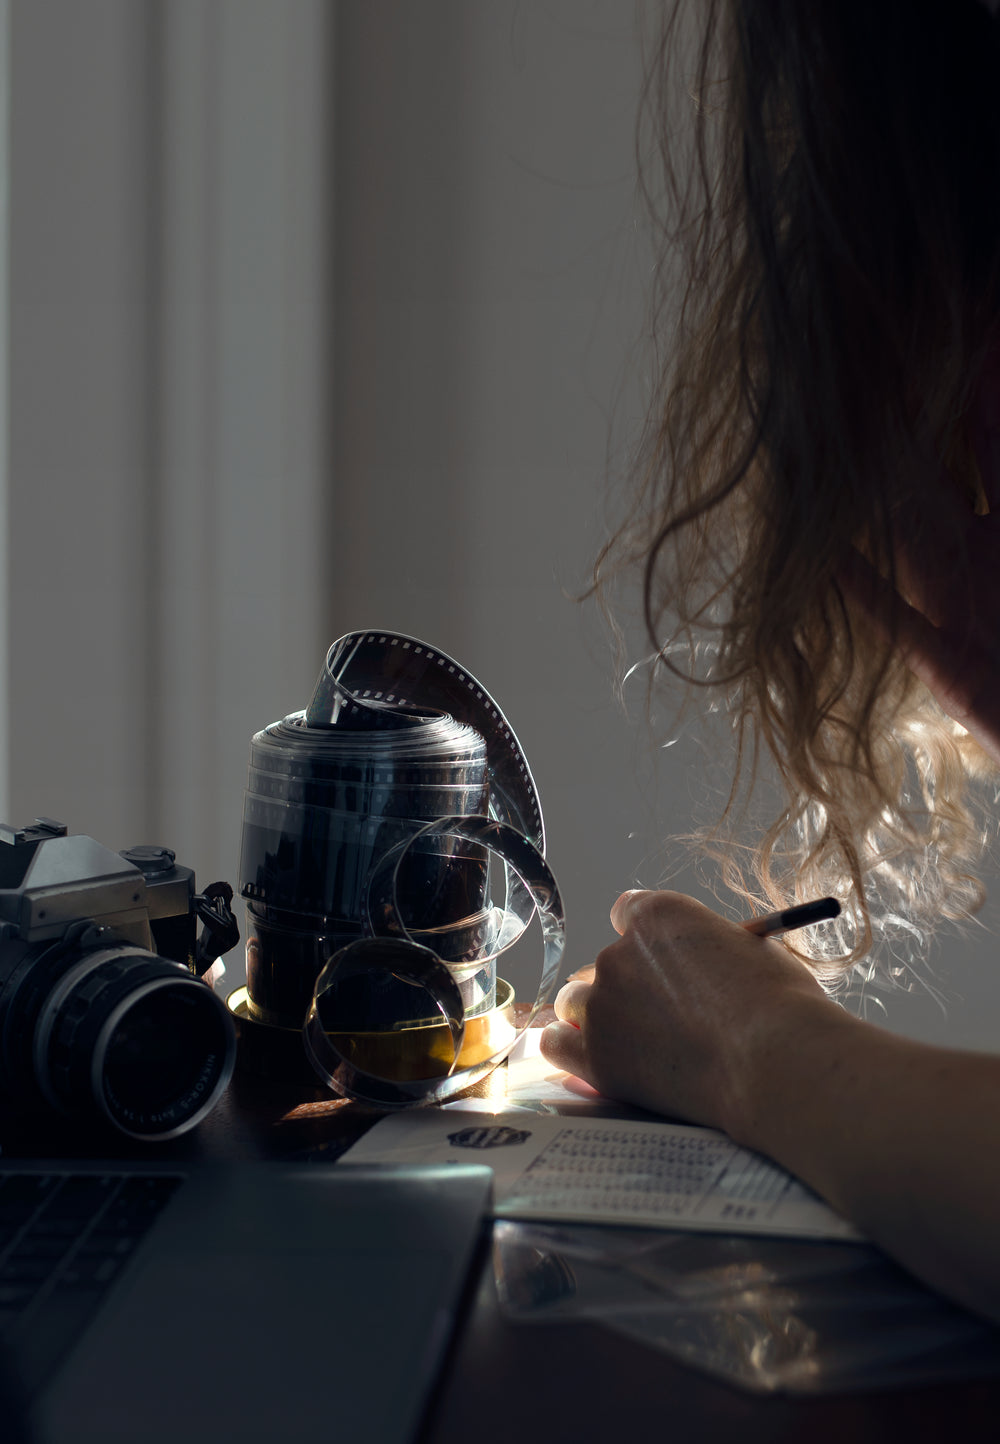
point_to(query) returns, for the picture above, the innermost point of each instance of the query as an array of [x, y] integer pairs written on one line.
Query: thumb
[[623, 907]]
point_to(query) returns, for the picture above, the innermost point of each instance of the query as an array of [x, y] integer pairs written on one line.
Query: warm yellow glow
[[313, 1110]]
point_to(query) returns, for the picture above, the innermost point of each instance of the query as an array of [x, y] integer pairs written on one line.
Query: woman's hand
[[677, 1011], [692, 1016]]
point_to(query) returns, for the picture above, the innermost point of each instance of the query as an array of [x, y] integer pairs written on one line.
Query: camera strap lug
[[220, 932]]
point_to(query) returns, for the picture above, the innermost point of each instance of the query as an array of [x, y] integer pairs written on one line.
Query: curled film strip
[[394, 785], [371, 673], [394, 949]]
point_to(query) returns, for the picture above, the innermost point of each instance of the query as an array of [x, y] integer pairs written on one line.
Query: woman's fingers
[[622, 908], [571, 1002], [562, 1045]]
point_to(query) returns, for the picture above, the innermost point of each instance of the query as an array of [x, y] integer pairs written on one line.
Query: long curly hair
[[828, 178]]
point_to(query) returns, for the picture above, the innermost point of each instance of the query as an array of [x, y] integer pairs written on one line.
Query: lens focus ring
[[136, 1038]]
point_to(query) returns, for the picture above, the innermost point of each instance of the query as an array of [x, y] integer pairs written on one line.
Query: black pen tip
[[817, 912]]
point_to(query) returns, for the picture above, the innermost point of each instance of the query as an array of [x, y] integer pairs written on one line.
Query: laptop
[[260, 1302]]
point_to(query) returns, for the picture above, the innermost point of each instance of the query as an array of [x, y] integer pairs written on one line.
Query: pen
[[769, 924]]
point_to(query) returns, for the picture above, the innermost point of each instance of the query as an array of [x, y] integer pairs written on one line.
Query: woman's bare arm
[[691, 1016]]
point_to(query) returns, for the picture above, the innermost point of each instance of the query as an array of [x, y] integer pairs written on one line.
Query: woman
[[821, 480]]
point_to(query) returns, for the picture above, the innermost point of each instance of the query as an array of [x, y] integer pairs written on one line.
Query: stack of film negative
[[354, 904]]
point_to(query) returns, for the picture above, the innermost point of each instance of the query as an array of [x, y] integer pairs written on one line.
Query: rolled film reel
[[377, 676], [392, 947], [342, 824]]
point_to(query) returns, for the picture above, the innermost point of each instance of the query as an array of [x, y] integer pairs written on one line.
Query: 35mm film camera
[[103, 1011]]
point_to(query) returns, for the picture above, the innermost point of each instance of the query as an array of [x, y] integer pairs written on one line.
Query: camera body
[[102, 1009]]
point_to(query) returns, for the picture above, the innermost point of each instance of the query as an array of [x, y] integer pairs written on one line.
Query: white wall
[[188, 527], [169, 405], [79, 436], [4, 395]]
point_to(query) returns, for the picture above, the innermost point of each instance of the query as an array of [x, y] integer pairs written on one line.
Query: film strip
[[375, 676], [370, 820], [391, 947]]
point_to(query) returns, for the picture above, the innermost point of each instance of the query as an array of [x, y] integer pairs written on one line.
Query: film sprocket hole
[[103, 1009]]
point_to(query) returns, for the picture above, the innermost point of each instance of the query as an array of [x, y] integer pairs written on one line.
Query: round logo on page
[[488, 1136]]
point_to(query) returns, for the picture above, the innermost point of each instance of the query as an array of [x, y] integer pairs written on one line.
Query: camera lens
[[161, 1058], [116, 1032]]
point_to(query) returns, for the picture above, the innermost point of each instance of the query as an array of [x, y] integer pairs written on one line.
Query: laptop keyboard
[[63, 1240]]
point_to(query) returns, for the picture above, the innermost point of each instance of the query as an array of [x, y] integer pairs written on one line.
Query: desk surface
[[552, 1382]]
